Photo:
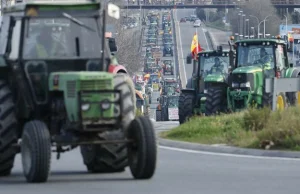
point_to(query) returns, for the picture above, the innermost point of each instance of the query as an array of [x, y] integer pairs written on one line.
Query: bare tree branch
[[260, 9]]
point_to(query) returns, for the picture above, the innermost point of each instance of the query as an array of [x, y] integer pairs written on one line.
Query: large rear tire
[[158, 115], [8, 130], [185, 107], [113, 157], [142, 154], [214, 101]]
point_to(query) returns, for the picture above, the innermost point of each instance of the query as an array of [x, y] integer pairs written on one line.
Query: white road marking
[[179, 36], [227, 155]]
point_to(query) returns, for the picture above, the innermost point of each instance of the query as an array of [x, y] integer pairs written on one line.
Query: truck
[[64, 97]]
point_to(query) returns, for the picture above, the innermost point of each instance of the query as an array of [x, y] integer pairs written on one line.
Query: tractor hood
[[247, 69], [89, 80], [214, 78]]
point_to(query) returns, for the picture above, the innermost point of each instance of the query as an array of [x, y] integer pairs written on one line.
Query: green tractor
[[169, 86], [206, 89], [256, 60], [167, 110], [56, 93]]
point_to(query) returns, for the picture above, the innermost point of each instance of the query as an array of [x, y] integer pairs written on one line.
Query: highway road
[[178, 171], [185, 34]]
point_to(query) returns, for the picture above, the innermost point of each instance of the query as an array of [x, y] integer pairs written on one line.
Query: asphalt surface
[[186, 34], [178, 172]]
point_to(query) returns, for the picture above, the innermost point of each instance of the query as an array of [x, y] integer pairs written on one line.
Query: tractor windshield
[[173, 101], [255, 55], [62, 38], [214, 65]]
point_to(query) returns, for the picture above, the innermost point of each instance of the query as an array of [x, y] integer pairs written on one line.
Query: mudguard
[[117, 69]]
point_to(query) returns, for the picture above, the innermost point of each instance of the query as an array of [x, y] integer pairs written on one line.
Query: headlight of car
[[245, 85], [85, 107], [105, 105], [235, 85]]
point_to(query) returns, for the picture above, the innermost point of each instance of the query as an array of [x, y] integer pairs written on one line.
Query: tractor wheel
[[106, 158], [293, 97], [8, 130], [36, 151], [214, 100], [113, 157], [280, 104], [142, 154], [186, 106], [158, 115]]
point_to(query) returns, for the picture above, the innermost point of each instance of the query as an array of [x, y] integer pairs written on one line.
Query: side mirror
[[112, 45], [188, 59]]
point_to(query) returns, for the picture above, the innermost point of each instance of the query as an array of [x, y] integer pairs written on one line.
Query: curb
[[228, 149]]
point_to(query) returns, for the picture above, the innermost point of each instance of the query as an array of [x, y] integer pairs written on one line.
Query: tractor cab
[[209, 70]]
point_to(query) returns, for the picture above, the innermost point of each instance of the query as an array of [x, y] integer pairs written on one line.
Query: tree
[[128, 42], [259, 9]]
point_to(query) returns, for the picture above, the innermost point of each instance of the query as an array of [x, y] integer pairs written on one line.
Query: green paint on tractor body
[[84, 87], [256, 60]]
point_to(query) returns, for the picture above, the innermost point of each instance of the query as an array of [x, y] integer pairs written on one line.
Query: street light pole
[[286, 32], [257, 23], [265, 25], [247, 28]]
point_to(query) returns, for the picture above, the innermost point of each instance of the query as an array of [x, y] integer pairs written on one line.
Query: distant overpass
[[198, 6]]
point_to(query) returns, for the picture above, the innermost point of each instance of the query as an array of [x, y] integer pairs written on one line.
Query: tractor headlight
[[85, 107], [245, 85], [105, 105], [235, 85]]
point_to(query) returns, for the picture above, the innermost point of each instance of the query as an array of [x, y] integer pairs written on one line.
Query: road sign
[[157, 54]]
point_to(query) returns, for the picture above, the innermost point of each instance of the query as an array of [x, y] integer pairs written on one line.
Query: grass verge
[[254, 128]]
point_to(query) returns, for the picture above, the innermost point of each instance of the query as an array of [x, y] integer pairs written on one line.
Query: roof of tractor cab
[[18, 7], [213, 51], [273, 40]]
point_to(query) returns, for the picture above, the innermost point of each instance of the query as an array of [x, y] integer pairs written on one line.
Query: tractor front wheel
[[36, 151], [142, 153], [214, 100], [186, 106]]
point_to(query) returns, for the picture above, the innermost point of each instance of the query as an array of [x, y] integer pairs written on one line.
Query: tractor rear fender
[[117, 69], [188, 91]]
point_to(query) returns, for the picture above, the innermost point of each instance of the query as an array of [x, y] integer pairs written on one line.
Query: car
[[187, 18], [197, 23], [182, 20]]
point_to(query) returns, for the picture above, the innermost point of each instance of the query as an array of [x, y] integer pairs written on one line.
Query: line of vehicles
[[225, 81], [157, 82]]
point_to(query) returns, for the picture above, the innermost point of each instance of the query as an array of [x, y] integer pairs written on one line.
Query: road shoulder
[[223, 148]]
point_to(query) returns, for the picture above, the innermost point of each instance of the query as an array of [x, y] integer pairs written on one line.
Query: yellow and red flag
[[195, 46]]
